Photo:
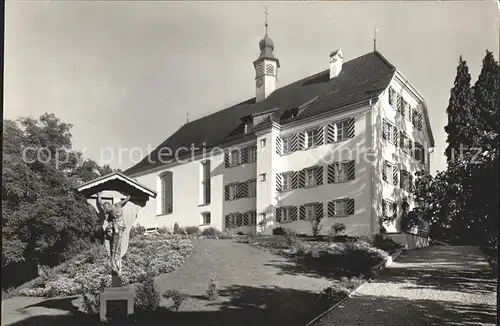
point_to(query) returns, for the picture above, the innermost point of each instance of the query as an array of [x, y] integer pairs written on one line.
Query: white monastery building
[[342, 145]]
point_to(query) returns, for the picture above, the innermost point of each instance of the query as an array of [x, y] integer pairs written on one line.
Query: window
[[341, 207], [387, 173], [311, 138], [205, 183], [166, 193], [310, 211], [286, 214], [233, 191], [405, 142], [234, 158], [252, 154], [287, 144], [406, 110], [252, 188], [263, 142], [388, 208], [392, 96], [263, 177], [339, 172], [250, 218], [342, 130], [205, 218], [405, 180], [310, 178], [399, 101], [390, 132], [419, 153], [287, 181]]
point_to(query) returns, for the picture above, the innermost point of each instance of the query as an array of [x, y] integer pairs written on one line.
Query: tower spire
[[374, 38]]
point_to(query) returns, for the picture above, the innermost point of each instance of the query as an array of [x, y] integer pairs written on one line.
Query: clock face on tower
[[258, 83]]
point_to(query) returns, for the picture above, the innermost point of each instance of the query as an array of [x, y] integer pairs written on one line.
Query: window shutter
[[301, 140], [278, 214], [226, 160], [410, 145], [294, 179], [246, 218], [331, 208], [385, 130], [226, 192], [279, 146], [350, 128], [395, 175], [384, 171], [331, 173], [351, 170], [401, 140], [419, 122], [330, 133], [239, 219], [319, 210], [293, 213], [227, 221], [302, 212], [320, 135], [319, 175], [242, 190], [279, 182], [244, 155], [301, 178], [350, 206], [294, 142]]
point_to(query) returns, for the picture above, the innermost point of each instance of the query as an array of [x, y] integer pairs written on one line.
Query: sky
[[128, 74]]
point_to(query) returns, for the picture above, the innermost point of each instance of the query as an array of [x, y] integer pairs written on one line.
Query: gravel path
[[440, 285]]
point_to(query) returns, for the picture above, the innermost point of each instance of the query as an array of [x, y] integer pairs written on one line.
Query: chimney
[[336, 61]]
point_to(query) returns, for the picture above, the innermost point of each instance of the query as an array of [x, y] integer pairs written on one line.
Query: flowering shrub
[[163, 252]]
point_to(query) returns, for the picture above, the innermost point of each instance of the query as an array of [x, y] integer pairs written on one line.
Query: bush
[[279, 231], [335, 230], [92, 301], [210, 231], [137, 230], [163, 230], [176, 228], [212, 288], [295, 245], [147, 297], [177, 298], [180, 230], [192, 230], [226, 235], [340, 290]]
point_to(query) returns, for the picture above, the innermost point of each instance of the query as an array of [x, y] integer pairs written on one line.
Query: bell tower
[[266, 68]]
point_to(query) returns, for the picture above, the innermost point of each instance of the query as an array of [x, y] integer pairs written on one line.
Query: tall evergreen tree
[[459, 112]]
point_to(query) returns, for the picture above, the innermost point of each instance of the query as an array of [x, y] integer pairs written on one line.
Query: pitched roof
[[360, 79], [115, 181]]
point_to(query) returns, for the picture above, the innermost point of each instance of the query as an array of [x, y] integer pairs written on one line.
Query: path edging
[[377, 268]]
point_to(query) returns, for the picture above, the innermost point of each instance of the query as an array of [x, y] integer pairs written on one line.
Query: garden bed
[[87, 272]]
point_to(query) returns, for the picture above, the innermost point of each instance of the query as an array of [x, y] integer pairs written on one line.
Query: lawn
[[261, 281]]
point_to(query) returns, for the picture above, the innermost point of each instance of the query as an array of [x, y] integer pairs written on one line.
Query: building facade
[[341, 146]]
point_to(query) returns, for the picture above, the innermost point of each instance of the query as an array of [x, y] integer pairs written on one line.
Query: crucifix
[[267, 14]]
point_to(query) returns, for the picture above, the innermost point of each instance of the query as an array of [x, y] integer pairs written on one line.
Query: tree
[[44, 220]]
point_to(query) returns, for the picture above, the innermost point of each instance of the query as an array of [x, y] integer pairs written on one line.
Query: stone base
[[117, 303]]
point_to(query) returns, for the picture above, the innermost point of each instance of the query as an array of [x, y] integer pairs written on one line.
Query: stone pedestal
[[117, 303]]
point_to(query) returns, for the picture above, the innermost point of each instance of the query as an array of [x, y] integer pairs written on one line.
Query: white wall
[[358, 189]]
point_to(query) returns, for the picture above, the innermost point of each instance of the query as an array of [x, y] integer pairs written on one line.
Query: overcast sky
[[126, 73]]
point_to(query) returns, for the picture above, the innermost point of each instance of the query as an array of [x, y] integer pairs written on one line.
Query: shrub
[[335, 230], [295, 245], [340, 290], [96, 252], [147, 297], [192, 230], [43, 272], [240, 233], [212, 288], [385, 243], [177, 298], [92, 301], [290, 237], [210, 231], [316, 226], [226, 235], [181, 230], [279, 231], [176, 228], [163, 230], [136, 231]]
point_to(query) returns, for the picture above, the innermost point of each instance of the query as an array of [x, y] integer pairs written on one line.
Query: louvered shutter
[[385, 130], [330, 133], [401, 140], [227, 220], [350, 128], [395, 137], [278, 214], [319, 210], [331, 173], [242, 190], [301, 140], [246, 218], [279, 182], [279, 145], [244, 155], [301, 179], [410, 145], [384, 171], [239, 220], [302, 212], [319, 175], [320, 134], [226, 192], [294, 142], [350, 206], [395, 175], [331, 209], [226, 160], [294, 179], [351, 170], [293, 213]]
